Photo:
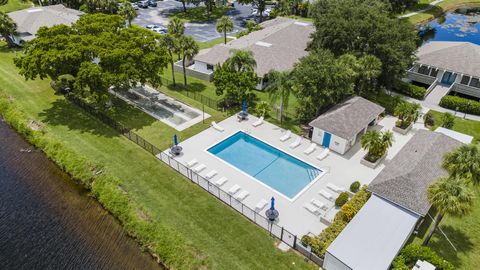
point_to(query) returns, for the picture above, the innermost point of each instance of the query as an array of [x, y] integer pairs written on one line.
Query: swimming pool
[[269, 165]]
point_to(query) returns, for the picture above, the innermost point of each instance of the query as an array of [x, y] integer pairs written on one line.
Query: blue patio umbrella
[[244, 106], [272, 213], [175, 140], [272, 204]]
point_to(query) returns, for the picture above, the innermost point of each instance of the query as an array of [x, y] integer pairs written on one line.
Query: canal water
[[462, 24], [48, 222]]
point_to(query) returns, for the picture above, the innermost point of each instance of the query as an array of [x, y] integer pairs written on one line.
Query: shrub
[[63, 82], [448, 120], [342, 199], [429, 119], [410, 90], [387, 101], [413, 252], [461, 104], [355, 186], [348, 211], [407, 114]]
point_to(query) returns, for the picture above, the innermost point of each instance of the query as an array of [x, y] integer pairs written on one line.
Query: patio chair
[[286, 136], [323, 154], [296, 143], [211, 174], [234, 189], [217, 127], [192, 163], [199, 168], [326, 194], [312, 209], [310, 149], [318, 203], [242, 195], [261, 204], [258, 122], [220, 182], [335, 188]]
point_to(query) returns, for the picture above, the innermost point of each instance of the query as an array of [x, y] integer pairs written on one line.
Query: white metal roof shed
[[464, 138], [373, 238]]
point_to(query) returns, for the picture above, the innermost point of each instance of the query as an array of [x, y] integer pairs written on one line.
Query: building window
[[465, 79], [434, 72], [209, 67], [424, 70], [475, 83]]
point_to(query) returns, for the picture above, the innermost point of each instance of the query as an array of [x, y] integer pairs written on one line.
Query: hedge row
[[172, 249], [461, 104], [321, 242], [411, 90], [414, 252]]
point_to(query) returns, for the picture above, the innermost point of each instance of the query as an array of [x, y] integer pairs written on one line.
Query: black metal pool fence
[[279, 232]]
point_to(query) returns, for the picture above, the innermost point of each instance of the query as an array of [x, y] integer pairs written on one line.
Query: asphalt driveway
[[201, 31]]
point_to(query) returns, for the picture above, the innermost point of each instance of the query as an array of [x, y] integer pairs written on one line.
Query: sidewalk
[[434, 3]]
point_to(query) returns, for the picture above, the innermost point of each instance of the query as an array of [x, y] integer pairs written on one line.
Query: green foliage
[[376, 143], [410, 254], [251, 27], [62, 83], [460, 104], [410, 90], [355, 186], [341, 199], [407, 114], [224, 25], [98, 51], [363, 27], [464, 162], [7, 28], [187, 48], [399, 6], [262, 108], [448, 120], [176, 27], [127, 11], [429, 119], [235, 86], [291, 7], [279, 88]]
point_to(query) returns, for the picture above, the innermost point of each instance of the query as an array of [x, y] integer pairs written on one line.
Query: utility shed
[[343, 125]]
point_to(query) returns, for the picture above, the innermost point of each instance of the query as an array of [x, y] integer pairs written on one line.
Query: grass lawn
[[225, 239], [441, 8], [199, 14], [466, 126], [13, 5]]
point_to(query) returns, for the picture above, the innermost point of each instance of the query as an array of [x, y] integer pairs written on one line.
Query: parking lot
[[201, 31]]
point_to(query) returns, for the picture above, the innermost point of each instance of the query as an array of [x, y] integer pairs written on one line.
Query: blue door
[[326, 139], [448, 78]]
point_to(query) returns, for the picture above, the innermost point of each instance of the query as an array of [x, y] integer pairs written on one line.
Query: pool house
[[454, 65], [344, 124]]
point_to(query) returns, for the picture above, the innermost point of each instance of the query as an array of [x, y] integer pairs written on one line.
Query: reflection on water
[[47, 222], [459, 25]]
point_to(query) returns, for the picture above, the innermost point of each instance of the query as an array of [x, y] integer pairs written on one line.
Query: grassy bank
[[465, 126], [441, 8], [199, 14], [13, 5], [209, 234]]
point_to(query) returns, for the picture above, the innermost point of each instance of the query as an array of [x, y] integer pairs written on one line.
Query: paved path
[[432, 4], [437, 93]]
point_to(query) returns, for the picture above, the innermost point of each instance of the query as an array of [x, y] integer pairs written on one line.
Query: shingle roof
[[279, 45], [405, 179], [348, 118], [461, 57], [31, 19]]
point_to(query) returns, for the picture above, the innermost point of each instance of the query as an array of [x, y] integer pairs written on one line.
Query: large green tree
[[224, 25], [170, 43], [464, 162], [188, 48], [363, 27], [127, 11], [99, 51], [279, 88], [449, 196], [241, 60], [7, 28]]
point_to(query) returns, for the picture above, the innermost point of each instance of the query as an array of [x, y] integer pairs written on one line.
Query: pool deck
[[340, 170]]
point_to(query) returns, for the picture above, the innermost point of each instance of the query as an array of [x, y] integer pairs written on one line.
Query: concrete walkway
[[437, 94], [434, 3]]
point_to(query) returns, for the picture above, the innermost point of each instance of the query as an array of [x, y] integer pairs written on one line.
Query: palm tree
[[376, 143], [188, 49], [224, 25], [464, 162], [449, 196], [170, 43], [407, 113], [7, 28], [127, 11], [241, 60], [176, 27], [279, 87]]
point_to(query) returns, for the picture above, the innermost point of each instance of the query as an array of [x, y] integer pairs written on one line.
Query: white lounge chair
[[211, 174], [234, 189], [199, 168], [261, 204], [296, 143], [286, 136], [258, 122], [310, 149], [323, 154], [242, 195], [335, 188], [217, 127], [220, 182], [192, 162], [318, 203], [312, 209], [326, 194]]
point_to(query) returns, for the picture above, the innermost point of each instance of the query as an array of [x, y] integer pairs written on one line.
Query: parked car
[[152, 26], [160, 31], [152, 3], [143, 4]]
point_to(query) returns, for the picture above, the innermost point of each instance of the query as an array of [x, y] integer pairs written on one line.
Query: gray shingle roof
[[461, 57], [284, 42], [407, 176], [31, 19], [348, 118]]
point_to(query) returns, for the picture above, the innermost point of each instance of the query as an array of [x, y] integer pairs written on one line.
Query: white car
[[266, 12]]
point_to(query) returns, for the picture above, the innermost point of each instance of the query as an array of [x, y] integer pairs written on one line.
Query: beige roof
[[405, 179], [348, 118], [31, 19], [277, 46], [460, 57]]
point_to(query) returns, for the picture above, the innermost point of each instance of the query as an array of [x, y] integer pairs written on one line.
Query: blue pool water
[[267, 164]]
